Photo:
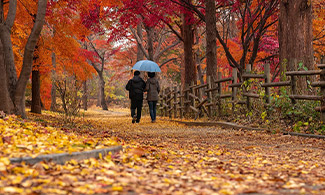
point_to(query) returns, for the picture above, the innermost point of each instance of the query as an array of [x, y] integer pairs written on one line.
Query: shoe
[[134, 119], [153, 121]]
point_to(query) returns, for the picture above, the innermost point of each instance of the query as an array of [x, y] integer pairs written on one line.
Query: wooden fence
[[206, 98]]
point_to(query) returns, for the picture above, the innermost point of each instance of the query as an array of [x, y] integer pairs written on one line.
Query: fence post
[[267, 72], [166, 103], [234, 89], [175, 102], [322, 89], [209, 95], [248, 70], [187, 99], [162, 102], [219, 76], [170, 105], [193, 93], [181, 98], [293, 83]]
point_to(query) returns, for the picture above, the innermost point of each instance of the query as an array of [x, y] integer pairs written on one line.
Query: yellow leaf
[[54, 191], [30, 147], [3, 163], [265, 162], [45, 166], [74, 162], [117, 188], [16, 180], [2, 167], [226, 192], [100, 156], [5, 160], [13, 190], [27, 183]]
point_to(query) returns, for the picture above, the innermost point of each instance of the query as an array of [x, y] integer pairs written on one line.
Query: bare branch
[[137, 38]]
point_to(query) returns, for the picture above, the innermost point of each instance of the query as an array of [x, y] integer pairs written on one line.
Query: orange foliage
[[319, 28], [60, 35]]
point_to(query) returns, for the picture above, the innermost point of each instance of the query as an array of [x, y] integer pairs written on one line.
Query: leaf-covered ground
[[166, 158]]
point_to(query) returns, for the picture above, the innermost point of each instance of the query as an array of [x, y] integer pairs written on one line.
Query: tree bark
[[198, 58], [190, 69], [36, 86], [6, 104], [53, 89], [295, 37], [5, 31], [85, 96], [102, 92], [19, 100], [36, 92], [211, 37], [150, 37], [140, 54]]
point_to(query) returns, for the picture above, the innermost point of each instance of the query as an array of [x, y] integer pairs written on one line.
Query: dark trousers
[[152, 109], [136, 105]]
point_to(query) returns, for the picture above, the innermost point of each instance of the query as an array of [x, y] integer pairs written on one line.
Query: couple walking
[[136, 86]]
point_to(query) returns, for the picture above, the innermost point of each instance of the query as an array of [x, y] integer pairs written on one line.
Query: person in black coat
[[136, 86]]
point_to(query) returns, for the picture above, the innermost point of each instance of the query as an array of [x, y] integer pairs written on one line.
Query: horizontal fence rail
[[206, 98]]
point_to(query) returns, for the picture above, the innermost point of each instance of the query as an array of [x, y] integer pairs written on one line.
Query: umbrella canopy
[[146, 65]]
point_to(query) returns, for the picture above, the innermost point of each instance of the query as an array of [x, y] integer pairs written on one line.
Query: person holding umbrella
[[152, 88], [136, 86]]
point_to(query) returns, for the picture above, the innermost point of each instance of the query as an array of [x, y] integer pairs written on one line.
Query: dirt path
[[176, 159]]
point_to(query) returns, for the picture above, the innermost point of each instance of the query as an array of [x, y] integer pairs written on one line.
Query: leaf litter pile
[[157, 158]]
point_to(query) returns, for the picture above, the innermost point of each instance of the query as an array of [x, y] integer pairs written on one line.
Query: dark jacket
[[136, 87], [153, 88]]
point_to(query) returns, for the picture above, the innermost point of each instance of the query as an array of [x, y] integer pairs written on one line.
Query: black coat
[[136, 87]]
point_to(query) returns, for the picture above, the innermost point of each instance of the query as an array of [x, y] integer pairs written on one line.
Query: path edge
[[236, 126], [61, 158], [221, 124]]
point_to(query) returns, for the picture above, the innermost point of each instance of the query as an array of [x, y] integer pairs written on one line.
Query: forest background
[[59, 54]]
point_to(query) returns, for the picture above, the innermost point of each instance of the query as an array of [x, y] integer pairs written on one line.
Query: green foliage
[[297, 127], [302, 110], [284, 64], [263, 115], [301, 66], [302, 115]]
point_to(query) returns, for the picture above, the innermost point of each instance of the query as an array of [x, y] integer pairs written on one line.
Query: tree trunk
[[19, 100], [211, 37], [190, 69], [36, 92], [6, 104], [53, 89], [140, 54], [98, 104], [85, 96], [198, 58], [102, 92], [295, 37], [63, 90], [6, 57], [36, 86], [150, 37], [182, 64], [5, 30]]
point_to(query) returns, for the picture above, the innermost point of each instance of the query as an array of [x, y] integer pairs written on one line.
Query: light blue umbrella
[[146, 65]]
